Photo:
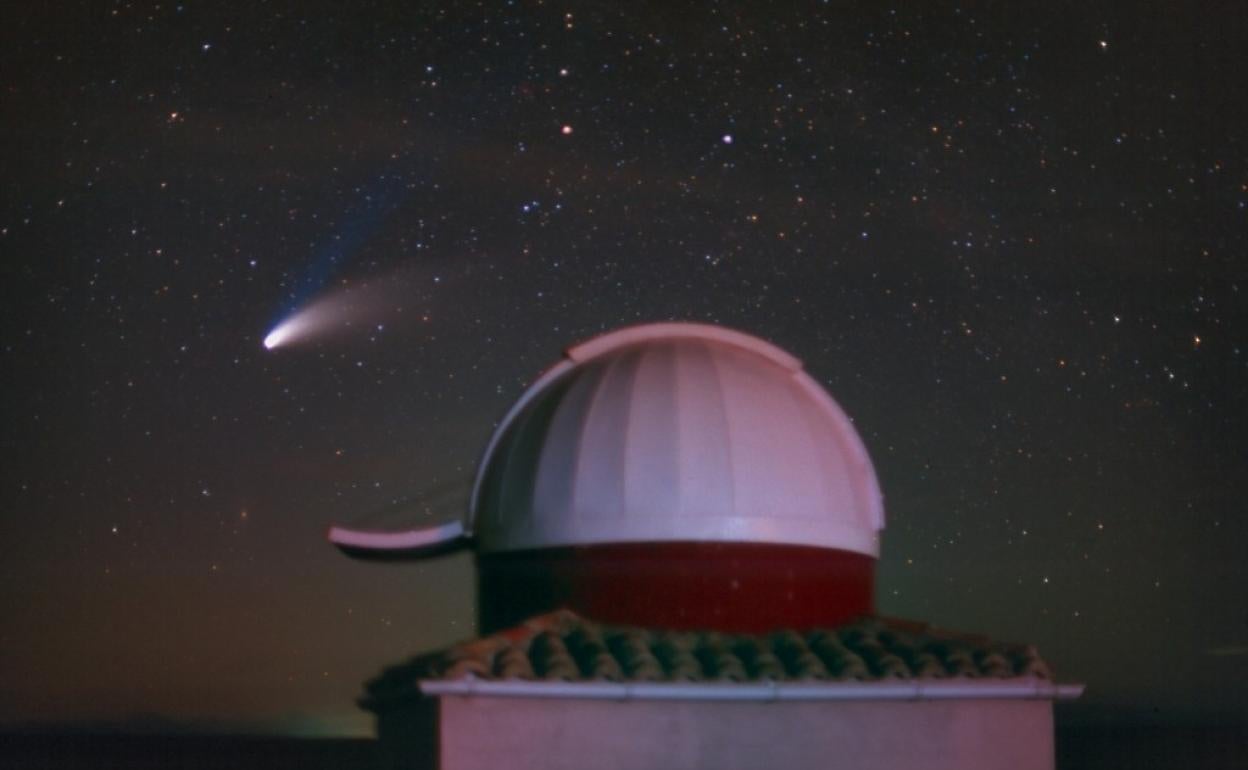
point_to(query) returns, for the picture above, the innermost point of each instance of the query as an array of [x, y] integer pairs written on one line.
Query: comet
[[315, 320], [290, 329], [351, 308], [318, 319]]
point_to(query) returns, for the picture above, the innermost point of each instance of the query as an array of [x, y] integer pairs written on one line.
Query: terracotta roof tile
[[562, 646]]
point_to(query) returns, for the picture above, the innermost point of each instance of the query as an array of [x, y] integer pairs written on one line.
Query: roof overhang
[[1030, 688]]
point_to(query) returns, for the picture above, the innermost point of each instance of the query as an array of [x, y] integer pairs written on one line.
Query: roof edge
[[1020, 688]]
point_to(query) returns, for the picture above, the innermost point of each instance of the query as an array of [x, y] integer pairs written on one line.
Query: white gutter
[[948, 689]]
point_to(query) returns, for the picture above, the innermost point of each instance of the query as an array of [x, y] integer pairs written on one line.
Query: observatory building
[[676, 531]]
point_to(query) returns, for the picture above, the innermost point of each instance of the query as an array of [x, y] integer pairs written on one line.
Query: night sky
[[1011, 243]]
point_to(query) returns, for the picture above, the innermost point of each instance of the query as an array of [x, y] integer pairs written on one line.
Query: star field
[[1010, 242]]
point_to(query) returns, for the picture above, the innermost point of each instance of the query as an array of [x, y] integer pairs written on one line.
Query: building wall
[[551, 734]]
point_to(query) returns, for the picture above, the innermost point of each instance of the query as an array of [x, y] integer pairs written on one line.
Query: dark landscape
[[1126, 747], [224, 752]]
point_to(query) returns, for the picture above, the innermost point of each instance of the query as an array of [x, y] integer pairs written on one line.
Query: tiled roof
[[562, 646]]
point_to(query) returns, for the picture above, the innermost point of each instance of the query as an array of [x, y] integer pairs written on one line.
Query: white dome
[[676, 432]]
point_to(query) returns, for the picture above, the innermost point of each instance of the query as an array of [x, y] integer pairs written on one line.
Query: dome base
[[732, 587]]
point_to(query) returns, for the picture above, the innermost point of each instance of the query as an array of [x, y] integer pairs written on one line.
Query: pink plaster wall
[[530, 733]]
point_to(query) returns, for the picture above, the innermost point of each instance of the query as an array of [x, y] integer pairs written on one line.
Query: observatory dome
[[676, 432]]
